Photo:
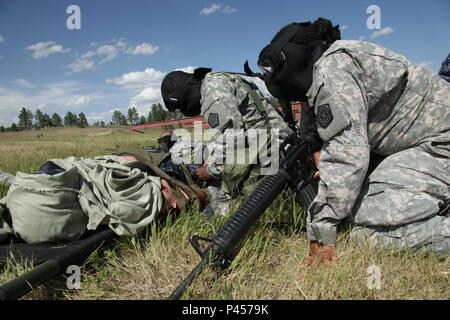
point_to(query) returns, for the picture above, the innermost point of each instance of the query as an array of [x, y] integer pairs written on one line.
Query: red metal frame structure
[[189, 122]]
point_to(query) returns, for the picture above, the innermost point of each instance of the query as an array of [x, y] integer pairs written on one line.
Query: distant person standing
[[444, 73]]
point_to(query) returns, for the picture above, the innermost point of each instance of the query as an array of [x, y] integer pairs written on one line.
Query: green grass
[[270, 264]]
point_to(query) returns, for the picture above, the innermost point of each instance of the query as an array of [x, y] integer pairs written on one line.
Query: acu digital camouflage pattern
[[384, 104], [228, 106], [188, 150]]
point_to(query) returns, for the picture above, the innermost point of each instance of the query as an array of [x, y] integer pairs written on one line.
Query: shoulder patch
[[324, 115], [213, 120]]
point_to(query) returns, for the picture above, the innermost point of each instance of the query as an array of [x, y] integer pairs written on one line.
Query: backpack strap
[[152, 160], [256, 99]]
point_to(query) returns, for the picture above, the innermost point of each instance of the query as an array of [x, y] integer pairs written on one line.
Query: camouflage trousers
[[237, 180], [404, 203]]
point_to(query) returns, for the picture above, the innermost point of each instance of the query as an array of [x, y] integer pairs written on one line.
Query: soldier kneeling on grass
[[66, 197], [367, 101]]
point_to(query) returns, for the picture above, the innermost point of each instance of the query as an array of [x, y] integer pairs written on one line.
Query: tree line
[[38, 120], [156, 113]]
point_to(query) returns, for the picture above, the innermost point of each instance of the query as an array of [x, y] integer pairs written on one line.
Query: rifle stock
[[18, 287]]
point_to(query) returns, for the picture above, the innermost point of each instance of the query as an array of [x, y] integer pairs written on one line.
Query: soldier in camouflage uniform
[[444, 72], [231, 104], [368, 99]]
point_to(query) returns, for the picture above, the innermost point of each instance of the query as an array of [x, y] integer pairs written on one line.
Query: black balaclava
[[287, 62], [181, 90]]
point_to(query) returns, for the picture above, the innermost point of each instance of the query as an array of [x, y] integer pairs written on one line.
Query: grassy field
[[270, 264]]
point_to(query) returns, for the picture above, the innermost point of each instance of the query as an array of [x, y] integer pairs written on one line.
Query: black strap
[[287, 35]]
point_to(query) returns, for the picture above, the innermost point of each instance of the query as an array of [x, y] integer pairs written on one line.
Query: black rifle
[[75, 252], [297, 168]]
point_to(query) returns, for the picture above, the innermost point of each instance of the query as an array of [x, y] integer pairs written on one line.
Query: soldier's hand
[[203, 174], [320, 254], [316, 158]]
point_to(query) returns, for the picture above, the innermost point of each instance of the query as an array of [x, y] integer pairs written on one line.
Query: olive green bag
[[45, 208]]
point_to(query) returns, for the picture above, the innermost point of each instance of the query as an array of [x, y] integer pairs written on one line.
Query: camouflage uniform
[[444, 72], [369, 99], [188, 150], [229, 106]]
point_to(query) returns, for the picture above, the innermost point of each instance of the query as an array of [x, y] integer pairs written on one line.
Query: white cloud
[[100, 116], [362, 38], [382, 32], [48, 97], [146, 97], [188, 69], [143, 48], [145, 86], [77, 102], [44, 49], [213, 8], [229, 9], [23, 83], [343, 27], [80, 65], [1, 38], [120, 43], [86, 60], [109, 51], [88, 54], [138, 80], [101, 54]]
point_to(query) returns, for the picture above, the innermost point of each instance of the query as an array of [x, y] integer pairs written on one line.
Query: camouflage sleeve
[[341, 115], [219, 108]]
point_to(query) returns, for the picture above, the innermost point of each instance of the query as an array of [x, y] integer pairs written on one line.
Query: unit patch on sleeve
[[324, 115], [213, 120]]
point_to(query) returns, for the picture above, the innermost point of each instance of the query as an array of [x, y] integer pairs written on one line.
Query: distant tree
[[157, 113], [14, 127], [150, 116], [39, 117], [102, 124], [123, 121], [116, 117], [82, 121], [133, 116], [56, 120], [42, 119], [2, 129], [70, 119], [48, 121], [30, 117], [25, 119]]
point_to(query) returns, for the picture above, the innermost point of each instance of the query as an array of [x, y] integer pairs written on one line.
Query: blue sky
[[124, 48]]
